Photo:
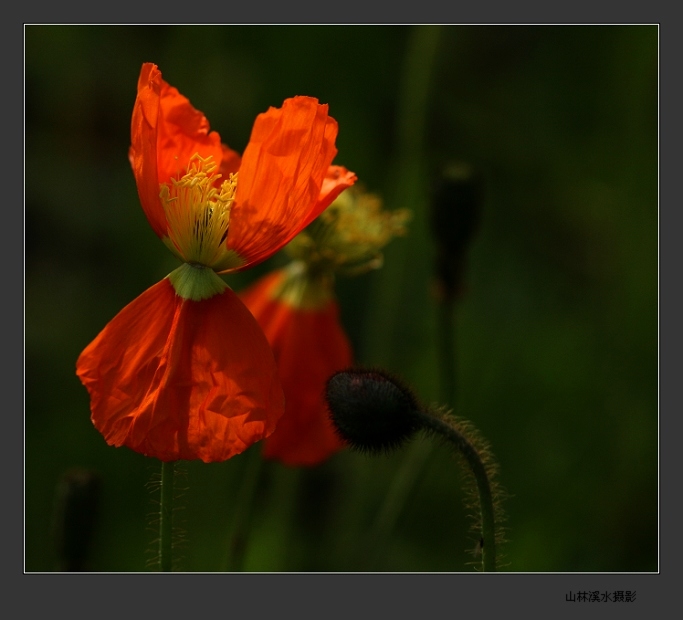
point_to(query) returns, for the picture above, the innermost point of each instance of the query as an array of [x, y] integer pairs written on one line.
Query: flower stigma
[[198, 212]]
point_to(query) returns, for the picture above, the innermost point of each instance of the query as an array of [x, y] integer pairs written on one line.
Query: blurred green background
[[556, 337]]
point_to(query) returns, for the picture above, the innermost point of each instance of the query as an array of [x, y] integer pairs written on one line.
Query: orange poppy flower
[[299, 314], [309, 345], [184, 371]]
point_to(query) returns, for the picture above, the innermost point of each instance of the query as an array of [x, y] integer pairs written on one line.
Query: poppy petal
[[335, 182], [178, 379], [309, 346], [280, 178], [143, 151], [166, 130]]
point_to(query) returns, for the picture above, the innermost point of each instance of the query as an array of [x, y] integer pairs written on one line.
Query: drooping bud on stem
[[372, 411], [375, 412]]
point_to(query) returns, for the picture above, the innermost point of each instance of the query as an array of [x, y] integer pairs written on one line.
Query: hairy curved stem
[[478, 467]]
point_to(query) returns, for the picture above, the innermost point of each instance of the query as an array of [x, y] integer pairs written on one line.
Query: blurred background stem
[[166, 517], [410, 192], [447, 356], [238, 536]]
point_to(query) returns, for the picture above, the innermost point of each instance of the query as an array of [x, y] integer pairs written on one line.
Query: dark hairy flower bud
[[371, 410], [374, 412]]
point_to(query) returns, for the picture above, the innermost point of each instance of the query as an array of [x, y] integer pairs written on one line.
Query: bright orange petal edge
[[285, 179], [166, 130], [179, 379]]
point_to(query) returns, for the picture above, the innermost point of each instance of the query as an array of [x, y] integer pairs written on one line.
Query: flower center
[[198, 212]]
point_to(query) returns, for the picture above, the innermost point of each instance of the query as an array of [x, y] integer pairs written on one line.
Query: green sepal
[[196, 282], [230, 261], [304, 288]]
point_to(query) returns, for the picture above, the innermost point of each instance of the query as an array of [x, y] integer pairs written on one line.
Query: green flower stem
[[410, 191], [401, 486], [446, 351], [476, 464], [239, 533], [408, 188], [166, 517]]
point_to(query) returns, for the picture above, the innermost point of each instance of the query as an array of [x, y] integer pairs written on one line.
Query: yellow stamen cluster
[[349, 234], [198, 213]]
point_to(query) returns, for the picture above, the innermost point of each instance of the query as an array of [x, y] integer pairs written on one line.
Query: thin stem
[[447, 351], [415, 90], [476, 463], [239, 534], [401, 485], [410, 189], [166, 517]]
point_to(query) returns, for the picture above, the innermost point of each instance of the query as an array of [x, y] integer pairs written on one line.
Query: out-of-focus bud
[[76, 514], [371, 410], [456, 202], [348, 237]]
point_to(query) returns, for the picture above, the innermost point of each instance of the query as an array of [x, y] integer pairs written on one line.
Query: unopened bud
[[371, 411]]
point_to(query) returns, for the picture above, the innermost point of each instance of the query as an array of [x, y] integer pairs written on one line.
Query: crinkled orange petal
[[179, 379], [309, 346], [335, 182], [281, 177], [166, 130]]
